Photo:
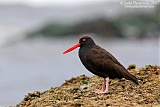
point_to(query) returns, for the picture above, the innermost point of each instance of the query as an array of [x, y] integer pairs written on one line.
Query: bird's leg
[[104, 87]]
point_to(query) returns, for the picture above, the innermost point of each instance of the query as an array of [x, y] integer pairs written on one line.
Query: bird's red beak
[[72, 48]]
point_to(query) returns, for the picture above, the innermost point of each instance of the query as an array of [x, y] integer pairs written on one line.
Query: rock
[[131, 66], [76, 92], [83, 87]]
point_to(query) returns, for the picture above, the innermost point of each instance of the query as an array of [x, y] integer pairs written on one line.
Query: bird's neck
[[84, 49]]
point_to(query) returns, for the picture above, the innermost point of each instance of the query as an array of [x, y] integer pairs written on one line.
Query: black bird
[[100, 62]]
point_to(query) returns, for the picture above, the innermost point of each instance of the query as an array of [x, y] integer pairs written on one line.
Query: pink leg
[[104, 87]]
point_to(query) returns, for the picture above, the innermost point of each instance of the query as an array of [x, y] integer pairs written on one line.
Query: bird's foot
[[100, 91]]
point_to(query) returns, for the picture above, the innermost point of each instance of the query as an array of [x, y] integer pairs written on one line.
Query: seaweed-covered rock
[[77, 92]]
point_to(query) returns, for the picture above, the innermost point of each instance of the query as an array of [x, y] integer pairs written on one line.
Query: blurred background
[[34, 33]]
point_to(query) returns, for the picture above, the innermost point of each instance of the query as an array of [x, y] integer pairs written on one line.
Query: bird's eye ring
[[83, 39]]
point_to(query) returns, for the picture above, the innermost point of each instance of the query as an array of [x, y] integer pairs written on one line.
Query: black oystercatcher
[[100, 62]]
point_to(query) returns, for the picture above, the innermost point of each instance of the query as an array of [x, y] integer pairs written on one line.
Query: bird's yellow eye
[[83, 39]]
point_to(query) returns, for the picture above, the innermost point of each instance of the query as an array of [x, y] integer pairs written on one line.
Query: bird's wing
[[104, 62], [102, 54]]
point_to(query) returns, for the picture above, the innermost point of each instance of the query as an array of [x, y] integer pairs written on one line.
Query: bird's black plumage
[[100, 62]]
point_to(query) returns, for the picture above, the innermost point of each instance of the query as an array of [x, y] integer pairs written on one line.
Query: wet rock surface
[[77, 92]]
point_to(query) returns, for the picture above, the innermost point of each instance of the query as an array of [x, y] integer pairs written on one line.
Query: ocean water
[[39, 64]]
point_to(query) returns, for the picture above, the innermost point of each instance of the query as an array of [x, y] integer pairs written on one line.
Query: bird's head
[[83, 41]]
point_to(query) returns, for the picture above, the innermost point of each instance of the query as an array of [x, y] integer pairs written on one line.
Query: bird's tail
[[134, 80], [131, 77], [128, 75]]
